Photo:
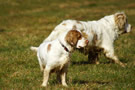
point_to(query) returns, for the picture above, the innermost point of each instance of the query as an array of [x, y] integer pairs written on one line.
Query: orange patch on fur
[[72, 37], [78, 22], [95, 37], [64, 24], [48, 47], [74, 27], [43, 66], [84, 35], [120, 20]]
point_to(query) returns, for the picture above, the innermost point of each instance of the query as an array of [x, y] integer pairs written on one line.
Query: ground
[[24, 23]]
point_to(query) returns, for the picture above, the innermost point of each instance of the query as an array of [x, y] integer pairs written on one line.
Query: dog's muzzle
[[128, 28]]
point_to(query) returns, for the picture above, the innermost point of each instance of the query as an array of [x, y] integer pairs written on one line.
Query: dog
[[55, 55], [101, 34]]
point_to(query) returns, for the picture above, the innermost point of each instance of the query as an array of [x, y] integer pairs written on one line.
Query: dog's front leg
[[63, 74], [45, 77], [63, 78], [93, 56]]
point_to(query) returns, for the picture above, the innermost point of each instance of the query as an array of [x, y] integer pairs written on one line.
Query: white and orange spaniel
[[54, 55], [101, 34]]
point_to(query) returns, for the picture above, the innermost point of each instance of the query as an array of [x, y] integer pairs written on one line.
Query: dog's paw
[[97, 62], [123, 65], [65, 85], [43, 85]]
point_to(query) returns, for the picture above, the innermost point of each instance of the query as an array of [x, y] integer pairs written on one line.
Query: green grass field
[[24, 23]]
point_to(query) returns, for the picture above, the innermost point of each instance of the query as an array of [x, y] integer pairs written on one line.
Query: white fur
[[56, 57], [106, 30]]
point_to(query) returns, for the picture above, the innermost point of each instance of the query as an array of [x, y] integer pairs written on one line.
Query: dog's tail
[[34, 48]]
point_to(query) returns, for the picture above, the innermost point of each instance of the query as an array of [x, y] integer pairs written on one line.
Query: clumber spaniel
[[101, 34], [54, 55]]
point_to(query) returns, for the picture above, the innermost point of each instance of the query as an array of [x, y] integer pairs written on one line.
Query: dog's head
[[122, 23], [75, 39]]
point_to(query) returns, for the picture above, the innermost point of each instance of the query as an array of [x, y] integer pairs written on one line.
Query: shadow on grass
[[2, 30], [87, 62], [124, 60], [90, 82], [80, 62]]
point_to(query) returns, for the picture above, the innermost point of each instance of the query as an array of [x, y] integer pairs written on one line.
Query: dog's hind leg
[[45, 76], [42, 67], [58, 77], [63, 74], [113, 57]]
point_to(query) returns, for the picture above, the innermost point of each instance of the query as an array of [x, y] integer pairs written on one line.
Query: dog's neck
[[67, 47], [110, 20]]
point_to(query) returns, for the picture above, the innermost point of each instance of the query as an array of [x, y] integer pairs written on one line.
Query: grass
[[28, 22]]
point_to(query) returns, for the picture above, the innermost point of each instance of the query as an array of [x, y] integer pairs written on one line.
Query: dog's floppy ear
[[120, 20], [72, 37]]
